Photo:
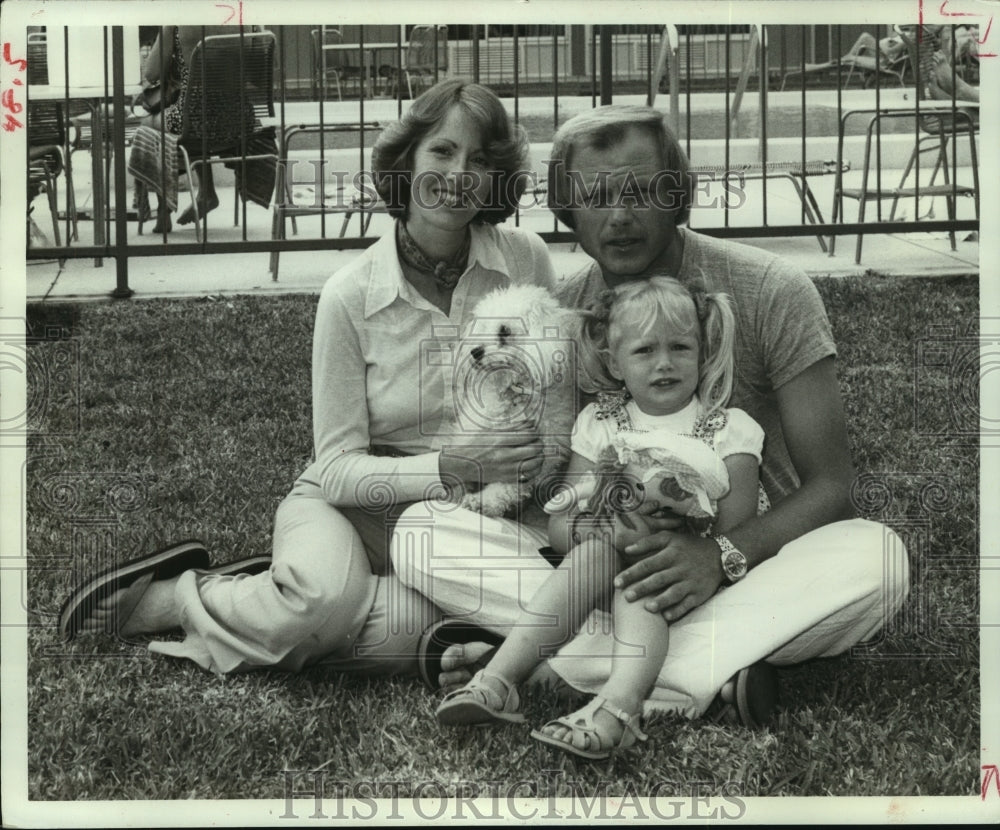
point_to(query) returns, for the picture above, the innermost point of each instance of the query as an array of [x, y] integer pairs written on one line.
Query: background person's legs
[[208, 199]]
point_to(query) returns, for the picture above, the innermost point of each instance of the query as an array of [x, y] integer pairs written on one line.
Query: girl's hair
[[504, 143], [642, 305]]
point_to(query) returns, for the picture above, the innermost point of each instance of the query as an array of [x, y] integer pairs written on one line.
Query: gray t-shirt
[[781, 330]]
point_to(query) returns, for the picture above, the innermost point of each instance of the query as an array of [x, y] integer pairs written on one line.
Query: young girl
[[661, 360]]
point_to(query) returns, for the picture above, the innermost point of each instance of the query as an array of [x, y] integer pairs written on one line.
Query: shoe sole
[[587, 754], [163, 564], [470, 713]]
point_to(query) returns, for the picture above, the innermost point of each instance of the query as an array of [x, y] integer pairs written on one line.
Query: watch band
[[734, 563]]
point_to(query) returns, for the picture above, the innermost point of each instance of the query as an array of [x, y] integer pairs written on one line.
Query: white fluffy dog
[[517, 363]]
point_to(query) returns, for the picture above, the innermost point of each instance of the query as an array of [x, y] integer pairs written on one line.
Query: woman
[[215, 117], [383, 419]]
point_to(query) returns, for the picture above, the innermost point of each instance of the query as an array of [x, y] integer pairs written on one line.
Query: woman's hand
[[496, 456], [679, 572]]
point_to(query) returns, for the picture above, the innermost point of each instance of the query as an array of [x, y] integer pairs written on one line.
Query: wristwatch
[[734, 563]]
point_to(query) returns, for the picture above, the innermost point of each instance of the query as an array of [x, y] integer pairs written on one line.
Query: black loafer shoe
[[752, 695], [165, 563], [438, 636]]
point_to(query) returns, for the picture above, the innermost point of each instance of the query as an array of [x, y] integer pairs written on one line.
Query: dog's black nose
[[477, 353]]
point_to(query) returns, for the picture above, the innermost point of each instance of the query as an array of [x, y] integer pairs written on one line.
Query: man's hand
[[678, 574]]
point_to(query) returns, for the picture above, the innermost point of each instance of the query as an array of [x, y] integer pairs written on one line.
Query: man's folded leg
[[820, 595]]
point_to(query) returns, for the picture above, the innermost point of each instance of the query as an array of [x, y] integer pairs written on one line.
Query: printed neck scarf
[[446, 273]]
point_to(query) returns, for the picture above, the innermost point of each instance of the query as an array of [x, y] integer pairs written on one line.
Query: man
[[804, 580]]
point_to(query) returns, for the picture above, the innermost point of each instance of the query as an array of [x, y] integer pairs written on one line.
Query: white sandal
[[476, 703], [581, 722]]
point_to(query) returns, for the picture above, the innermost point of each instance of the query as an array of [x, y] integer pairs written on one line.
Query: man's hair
[[603, 128], [504, 144]]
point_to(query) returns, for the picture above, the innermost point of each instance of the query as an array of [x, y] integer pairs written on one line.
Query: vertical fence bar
[[243, 135], [361, 116], [401, 70], [918, 72], [762, 106], [475, 53], [649, 63], [727, 134], [954, 132], [100, 169], [118, 140], [517, 99], [555, 97], [321, 179], [593, 66], [281, 184], [71, 220], [878, 129], [802, 121], [838, 199], [606, 64], [687, 88]]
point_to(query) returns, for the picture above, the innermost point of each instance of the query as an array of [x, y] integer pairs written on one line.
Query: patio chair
[[329, 64], [48, 148], [228, 68], [48, 159], [426, 57], [794, 172], [296, 199], [866, 56], [939, 127]]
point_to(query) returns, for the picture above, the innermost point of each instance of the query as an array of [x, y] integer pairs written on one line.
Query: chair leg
[[141, 196], [902, 181], [838, 206], [277, 233], [861, 236], [807, 208], [975, 170], [950, 202], [70, 199], [52, 195]]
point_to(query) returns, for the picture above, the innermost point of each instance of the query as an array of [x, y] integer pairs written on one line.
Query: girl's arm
[[740, 503], [561, 523]]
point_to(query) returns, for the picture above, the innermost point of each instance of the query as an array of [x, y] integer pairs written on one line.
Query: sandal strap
[[630, 722], [510, 702]]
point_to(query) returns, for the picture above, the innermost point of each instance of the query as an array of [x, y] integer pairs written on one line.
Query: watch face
[[735, 565]]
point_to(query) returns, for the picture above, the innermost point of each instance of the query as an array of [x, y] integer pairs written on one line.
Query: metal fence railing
[[780, 118]]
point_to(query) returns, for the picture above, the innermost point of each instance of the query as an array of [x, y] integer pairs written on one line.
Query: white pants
[[318, 602], [820, 595]]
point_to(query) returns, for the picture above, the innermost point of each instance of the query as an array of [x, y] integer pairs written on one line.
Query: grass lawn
[[161, 420]]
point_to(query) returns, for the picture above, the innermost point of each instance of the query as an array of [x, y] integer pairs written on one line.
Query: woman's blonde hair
[[661, 301]]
